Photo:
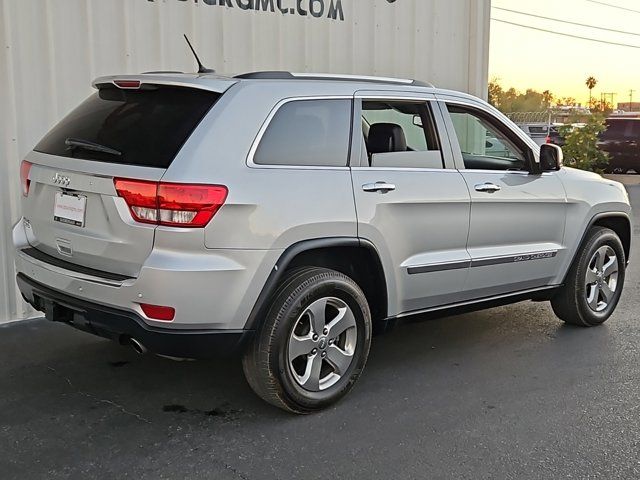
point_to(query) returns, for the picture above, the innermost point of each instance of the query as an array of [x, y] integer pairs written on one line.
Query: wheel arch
[[357, 258], [619, 222]]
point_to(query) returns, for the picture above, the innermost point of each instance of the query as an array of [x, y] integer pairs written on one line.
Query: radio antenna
[[201, 68]]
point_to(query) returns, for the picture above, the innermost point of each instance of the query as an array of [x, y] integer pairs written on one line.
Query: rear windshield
[[138, 127]]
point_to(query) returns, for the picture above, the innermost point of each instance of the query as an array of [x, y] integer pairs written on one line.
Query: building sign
[[331, 9]]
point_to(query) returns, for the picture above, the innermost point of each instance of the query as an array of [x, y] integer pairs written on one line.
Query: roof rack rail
[[283, 75]]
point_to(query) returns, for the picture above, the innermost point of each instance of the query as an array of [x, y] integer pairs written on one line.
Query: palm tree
[[591, 83], [547, 98]]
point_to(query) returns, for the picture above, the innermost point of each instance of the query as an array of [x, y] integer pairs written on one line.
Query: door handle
[[381, 187], [488, 188]]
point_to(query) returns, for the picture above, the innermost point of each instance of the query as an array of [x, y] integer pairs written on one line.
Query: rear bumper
[[119, 325], [209, 289]]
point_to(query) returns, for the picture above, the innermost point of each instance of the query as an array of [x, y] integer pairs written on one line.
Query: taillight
[[141, 197], [158, 312], [25, 168], [548, 140], [171, 204], [182, 205]]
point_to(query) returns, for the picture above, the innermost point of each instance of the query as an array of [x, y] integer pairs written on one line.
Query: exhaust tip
[[137, 346]]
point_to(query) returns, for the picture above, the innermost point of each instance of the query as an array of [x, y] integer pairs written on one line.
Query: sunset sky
[[525, 58]]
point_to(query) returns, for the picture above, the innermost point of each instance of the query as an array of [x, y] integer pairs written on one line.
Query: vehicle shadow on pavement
[[485, 343], [82, 404], [65, 364]]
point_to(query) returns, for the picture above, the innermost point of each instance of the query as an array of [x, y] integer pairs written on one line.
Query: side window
[[400, 134], [483, 145], [307, 133]]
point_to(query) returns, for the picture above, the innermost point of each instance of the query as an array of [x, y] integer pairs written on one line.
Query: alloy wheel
[[601, 278], [322, 344]]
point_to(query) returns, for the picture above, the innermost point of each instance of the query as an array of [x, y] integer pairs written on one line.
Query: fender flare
[[591, 223], [279, 269]]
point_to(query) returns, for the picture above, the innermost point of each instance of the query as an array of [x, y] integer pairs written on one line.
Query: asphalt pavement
[[507, 393]]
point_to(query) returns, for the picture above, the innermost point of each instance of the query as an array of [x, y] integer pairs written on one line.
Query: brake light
[[171, 204], [127, 84], [158, 312], [25, 168], [548, 140]]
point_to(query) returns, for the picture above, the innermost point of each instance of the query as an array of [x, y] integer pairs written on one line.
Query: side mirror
[[551, 157], [417, 120]]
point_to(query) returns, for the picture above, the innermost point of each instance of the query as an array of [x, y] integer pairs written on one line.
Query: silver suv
[[286, 215]]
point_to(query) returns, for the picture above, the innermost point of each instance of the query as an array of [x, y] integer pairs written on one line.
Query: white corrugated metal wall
[[52, 49]]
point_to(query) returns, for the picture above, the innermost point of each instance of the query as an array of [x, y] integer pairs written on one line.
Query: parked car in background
[[554, 136], [285, 215], [621, 140], [537, 131], [555, 132]]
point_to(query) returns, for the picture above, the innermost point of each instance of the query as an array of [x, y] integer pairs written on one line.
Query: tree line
[[512, 100]]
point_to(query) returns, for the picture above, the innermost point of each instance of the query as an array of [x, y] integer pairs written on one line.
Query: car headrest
[[386, 138]]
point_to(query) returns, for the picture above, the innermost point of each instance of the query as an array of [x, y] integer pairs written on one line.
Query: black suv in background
[[622, 141]]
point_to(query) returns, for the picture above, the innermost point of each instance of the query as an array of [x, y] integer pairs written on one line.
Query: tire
[[584, 300], [277, 365]]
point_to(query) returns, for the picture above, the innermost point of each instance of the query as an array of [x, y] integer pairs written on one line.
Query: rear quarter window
[[307, 133], [147, 126]]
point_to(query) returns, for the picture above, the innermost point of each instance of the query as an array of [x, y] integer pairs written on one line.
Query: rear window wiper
[[73, 143]]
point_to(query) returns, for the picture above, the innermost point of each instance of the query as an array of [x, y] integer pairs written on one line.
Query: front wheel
[[313, 344], [594, 283]]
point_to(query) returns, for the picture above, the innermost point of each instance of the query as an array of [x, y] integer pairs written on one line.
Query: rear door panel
[[420, 228]]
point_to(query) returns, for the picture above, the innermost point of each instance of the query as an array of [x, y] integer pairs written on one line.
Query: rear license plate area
[[69, 209]]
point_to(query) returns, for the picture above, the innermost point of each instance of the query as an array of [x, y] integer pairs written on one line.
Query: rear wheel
[[594, 283], [313, 344]]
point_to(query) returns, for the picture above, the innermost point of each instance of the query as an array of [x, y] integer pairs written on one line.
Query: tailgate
[[72, 206], [106, 238]]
